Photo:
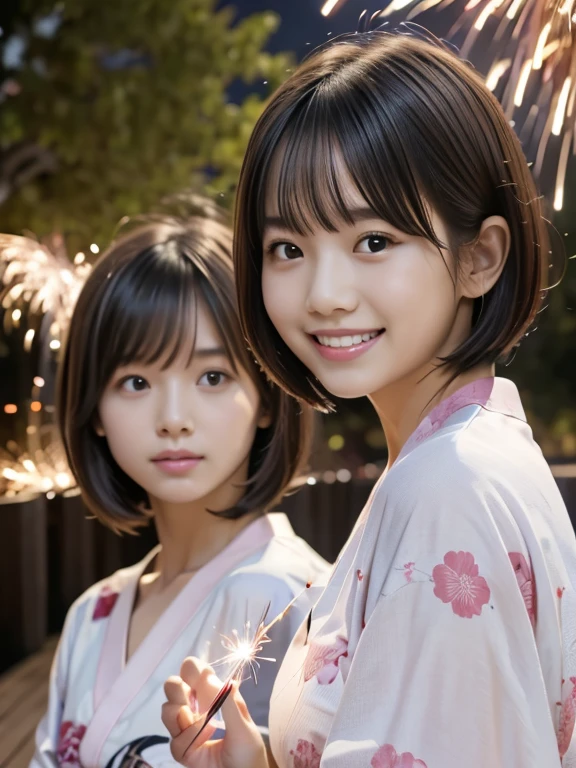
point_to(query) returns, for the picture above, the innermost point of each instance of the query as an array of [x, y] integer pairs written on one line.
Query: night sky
[[303, 23]]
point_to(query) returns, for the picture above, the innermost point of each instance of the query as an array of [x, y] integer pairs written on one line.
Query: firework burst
[[527, 51], [39, 278]]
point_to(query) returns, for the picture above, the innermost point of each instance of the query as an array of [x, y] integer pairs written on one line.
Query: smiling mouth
[[338, 342]]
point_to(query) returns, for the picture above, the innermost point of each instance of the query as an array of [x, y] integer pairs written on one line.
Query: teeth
[[346, 341]]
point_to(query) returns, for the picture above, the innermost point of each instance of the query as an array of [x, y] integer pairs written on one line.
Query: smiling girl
[[166, 417], [390, 244]]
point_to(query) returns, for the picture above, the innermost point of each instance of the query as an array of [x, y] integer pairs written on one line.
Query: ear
[[98, 428], [264, 420], [482, 262]]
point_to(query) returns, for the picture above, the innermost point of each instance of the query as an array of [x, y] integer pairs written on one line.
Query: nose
[[332, 286], [174, 418]]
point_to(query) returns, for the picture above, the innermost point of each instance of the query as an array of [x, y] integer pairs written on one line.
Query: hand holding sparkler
[[198, 690], [198, 695]]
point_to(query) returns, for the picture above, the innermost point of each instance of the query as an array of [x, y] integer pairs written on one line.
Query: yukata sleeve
[[49, 729], [446, 673]]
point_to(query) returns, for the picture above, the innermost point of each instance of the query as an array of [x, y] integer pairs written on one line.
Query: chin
[[348, 388], [176, 495]]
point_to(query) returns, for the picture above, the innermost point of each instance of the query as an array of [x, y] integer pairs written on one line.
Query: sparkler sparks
[[244, 650], [243, 653], [527, 50]]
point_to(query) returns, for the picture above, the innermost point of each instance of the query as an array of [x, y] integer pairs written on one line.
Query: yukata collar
[[492, 394]]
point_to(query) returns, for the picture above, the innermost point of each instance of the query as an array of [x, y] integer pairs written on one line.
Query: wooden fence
[[50, 552]]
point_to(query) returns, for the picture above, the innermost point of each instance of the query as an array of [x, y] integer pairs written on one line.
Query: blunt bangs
[[330, 131], [148, 302], [151, 305]]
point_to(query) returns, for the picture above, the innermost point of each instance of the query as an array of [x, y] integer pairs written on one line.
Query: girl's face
[[185, 433], [365, 307]]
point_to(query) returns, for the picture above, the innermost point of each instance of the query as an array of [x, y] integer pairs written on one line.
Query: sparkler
[[243, 654], [527, 51]]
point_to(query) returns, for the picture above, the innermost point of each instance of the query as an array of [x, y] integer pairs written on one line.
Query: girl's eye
[[134, 384], [285, 251], [374, 243], [213, 379]]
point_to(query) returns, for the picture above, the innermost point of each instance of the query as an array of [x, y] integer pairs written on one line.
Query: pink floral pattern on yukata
[[68, 754], [106, 601], [322, 661], [457, 582], [477, 392], [387, 757], [306, 755], [567, 720], [408, 569], [525, 582]]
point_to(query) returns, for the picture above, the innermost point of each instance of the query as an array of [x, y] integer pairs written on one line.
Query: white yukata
[[105, 712], [446, 636]]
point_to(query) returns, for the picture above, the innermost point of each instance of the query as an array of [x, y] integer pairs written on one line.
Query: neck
[[402, 405], [191, 536]]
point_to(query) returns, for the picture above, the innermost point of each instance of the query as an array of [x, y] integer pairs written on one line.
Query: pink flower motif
[[68, 753], [306, 755], [322, 661], [387, 757], [457, 582], [478, 392], [567, 720], [525, 582], [106, 601], [408, 568]]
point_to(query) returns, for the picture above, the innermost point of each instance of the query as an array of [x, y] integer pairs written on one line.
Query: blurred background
[[108, 107]]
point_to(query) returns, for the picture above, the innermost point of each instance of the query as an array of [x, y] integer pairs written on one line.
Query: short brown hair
[[136, 305], [413, 124]]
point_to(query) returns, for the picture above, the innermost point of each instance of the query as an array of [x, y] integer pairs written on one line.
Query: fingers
[[192, 670], [178, 695], [201, 680], [185, 718], [235, 707], [243, 743], [179, 745], [239, 724], [170, 718], [177, 691], [188, 696]]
